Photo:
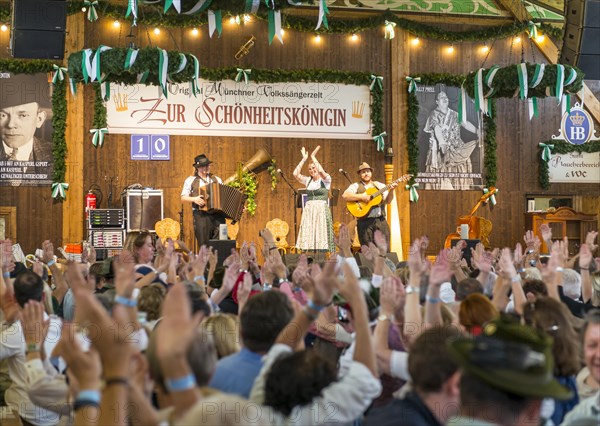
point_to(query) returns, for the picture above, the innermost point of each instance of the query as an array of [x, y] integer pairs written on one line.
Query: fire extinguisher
[[90, 203]]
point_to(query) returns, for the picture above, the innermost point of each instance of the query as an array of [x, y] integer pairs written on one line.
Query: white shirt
[[12, 348], [23, 153], [316, 184]]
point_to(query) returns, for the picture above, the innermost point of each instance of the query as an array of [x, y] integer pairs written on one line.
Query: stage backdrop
[[229, 108], [25, 124], [450, 154]]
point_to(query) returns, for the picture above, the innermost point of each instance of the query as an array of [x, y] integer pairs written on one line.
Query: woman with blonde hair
[[225, 332]]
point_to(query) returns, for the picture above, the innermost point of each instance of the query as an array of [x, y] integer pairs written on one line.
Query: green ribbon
[[413, 195], [200, 6], [105, 90], [194, 81], [533, 107], [130, 58], [376, 80], [215, 21], [252, 6], [163, 66], [275, 25], [323, 12], [86, 67], [546, 153], [59, 73], [142, 77], [565, 105], [175, 3], [572, 76], [58, 190], [538, 74], [412, 83], [92, 15], [132, 9], [480, 104], [380, 141], [98, 136], [462, 105], [96, 62], [532, 29], [489, 78], [522, 73], [243, 73], [492, 198], [73, 86], [390, 32]]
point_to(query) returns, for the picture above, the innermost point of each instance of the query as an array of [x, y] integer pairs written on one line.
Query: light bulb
[[451, 48], [116, 23], [157, 31], [232, 20], [517, 39], [247, 18], [415, 41], [282, 32], [318, 38], [195, 32], [84, 9], [354, 37], [485, 48], [540, 38]]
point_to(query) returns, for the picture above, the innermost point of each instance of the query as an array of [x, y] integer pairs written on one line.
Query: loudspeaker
[[580, 44], [466, 252], [38, 29], [223, 248], [50, 15], [33, 44], [143, 207]]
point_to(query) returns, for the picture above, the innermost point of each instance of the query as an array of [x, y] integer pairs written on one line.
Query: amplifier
[[143, 207], [106, 239], [107, 218]]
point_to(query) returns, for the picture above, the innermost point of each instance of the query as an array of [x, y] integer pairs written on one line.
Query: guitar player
[[375, 219]]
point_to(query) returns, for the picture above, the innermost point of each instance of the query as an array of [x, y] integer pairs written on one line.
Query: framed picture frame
[[8, 223]]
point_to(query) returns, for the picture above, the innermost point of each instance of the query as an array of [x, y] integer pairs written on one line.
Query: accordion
[[223, 199]]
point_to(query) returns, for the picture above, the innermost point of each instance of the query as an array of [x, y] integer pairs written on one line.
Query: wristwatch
[[384, 317], [410, 289]]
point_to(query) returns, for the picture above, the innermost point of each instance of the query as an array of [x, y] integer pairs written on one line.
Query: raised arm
[[299, 177], [322, 173]]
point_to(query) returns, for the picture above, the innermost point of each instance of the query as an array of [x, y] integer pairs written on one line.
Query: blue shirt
[[236, 373]]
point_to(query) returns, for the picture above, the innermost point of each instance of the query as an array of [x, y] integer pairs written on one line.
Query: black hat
[[201, 161]]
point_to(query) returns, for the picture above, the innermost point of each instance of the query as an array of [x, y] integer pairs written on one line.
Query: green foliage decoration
[[59, 107], [272, 169], [562, 147], [247, 183]]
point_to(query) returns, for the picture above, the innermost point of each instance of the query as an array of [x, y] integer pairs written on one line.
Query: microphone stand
[[294, 206], [346, 176]]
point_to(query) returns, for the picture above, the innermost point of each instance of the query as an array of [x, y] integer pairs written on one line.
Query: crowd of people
[[164, 335]]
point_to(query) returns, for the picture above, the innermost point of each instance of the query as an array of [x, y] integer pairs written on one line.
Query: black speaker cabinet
[[143, 208], [34, 44], [223, 248], [580, 44], [583, 13], [466, 252], [48, 15]]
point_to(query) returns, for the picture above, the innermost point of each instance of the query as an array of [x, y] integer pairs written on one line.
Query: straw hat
[[363, 166]]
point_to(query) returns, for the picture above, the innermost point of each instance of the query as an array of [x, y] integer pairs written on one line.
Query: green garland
[[59, 107], [99, 120], [413, 128], [272, 169], [506, 81], [112, 61], [247, 183], [153, 15], [562, 147]]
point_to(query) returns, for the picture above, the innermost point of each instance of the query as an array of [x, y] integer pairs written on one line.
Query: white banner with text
[[229, 108], [575, 167]]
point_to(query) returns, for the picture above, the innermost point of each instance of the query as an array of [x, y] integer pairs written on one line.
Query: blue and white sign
[[160, 147], [576, 126], [140, 147]]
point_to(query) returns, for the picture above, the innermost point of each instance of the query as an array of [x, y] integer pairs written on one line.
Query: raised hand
[[532, 242], [301, 272], [124, 266], [589, 240], [546, 232], [323, 282], [454, 254], [585, 256], [519, 256], [343, 241], [313, 155], [506, 265], [482, 259], [47, 251], [85, 367], [392, 295], [416, 263], [380, 242], [35, 328], [304, 153], [441, 271]]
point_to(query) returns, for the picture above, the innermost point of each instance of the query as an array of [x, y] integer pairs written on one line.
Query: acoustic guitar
[[360, 209]]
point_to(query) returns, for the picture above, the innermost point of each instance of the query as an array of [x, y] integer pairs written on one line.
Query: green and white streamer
[[538, 74], [194, 81], [215, 21], [376, 81], [252, 6], [105, 90], [480, 104], [560, 82], [380, 141], [175, 3], [532, 29], [73, 86], [59, 73], [572, 77], [412, 83], [565, 105], [275, 25], [390, 31], [523, 84], [323, 12], [462, 106], [489, 79], [96, 74], [132, 9], [59, 190], [163, 67], [200, 6], [413, 195], [142, 77], [92, 14], [86, 65], [243, 73], [98, 136], [492, 198], [532, 105], [546, 152], [130, 58]]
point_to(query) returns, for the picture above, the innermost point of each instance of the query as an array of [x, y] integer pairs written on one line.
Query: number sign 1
[[150, 147]]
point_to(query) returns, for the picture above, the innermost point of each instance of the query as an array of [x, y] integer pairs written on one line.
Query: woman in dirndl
[[316, 226]]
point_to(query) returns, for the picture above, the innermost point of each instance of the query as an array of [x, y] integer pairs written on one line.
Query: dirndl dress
[[316, 226]]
